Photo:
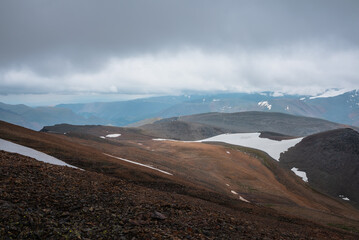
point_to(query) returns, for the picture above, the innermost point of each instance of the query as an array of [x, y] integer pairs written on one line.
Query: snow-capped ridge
[[330, 93]]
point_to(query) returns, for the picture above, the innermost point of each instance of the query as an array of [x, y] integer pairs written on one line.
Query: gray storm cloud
[[150, 47]]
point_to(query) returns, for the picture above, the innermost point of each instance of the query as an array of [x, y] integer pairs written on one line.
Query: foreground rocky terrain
[[43, 201]]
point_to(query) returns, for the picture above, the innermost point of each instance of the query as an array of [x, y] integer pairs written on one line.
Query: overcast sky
[[83, 50]]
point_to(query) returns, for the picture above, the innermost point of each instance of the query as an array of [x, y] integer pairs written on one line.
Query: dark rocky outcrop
[[331, 161]]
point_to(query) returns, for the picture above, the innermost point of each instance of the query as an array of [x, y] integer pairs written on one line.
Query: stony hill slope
[[330, 160]]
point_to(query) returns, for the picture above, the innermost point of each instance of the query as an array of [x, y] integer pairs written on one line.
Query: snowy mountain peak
[[265, 104], [331, 93]]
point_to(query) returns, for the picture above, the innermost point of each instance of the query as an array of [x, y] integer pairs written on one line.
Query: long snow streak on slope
[[140, 164], [252, 140], [29, 152]]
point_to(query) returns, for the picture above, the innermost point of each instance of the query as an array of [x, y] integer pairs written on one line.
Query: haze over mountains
[[342, 108]]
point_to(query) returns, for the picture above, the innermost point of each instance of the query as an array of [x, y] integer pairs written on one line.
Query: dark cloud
[[81, 29]]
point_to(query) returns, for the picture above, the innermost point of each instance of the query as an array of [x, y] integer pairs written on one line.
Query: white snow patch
[[287, 108], [301, 174], [113, 135], [243, 199], [29, 152], [228, 152], [102, 137], [240, 197], [252, 140], [330, 93], [215, 100], [140, 164], [344, 198], [227, 184], [301, 99], [265, 104], [163, 139]]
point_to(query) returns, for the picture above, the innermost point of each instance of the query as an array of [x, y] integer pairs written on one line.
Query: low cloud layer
[[297, 70]]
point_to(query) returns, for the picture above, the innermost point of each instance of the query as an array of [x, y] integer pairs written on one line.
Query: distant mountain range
[[36, 118], [337, 107]]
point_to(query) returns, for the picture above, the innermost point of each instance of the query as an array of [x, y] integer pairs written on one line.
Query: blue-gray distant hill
[[126, 112], [36, 118]]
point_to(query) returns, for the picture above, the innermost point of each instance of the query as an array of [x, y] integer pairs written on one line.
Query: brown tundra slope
[[198, 200], [43, 201]]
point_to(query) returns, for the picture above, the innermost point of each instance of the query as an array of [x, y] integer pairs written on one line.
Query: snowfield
[[301, 174], [252, 140], [29, 152]]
